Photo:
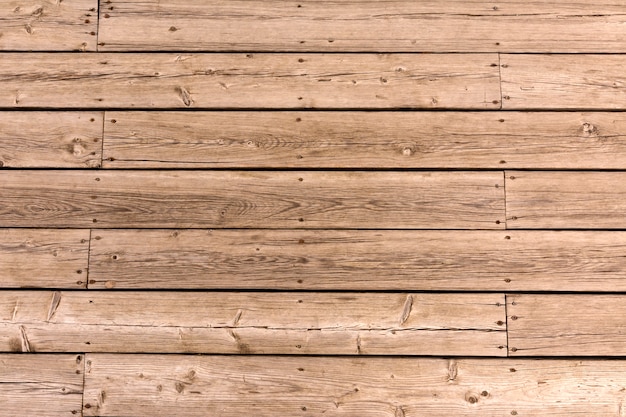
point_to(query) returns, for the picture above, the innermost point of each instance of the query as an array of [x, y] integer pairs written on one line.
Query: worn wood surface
[[51, 139], [48, 25], [258, 322], [565, 200], [140, 385], [566, 325], [41, 385], [358, 260], [554, 140], [563, 82], [223, 199], [43, 258], [363, 25], [241, 80]]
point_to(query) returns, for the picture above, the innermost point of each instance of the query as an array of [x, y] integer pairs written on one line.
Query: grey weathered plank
[[43, 258], [258, 322], [568, 200], [225, 199], [468, 140], [51, 139], [41, 385], [358, 260], [145, 385], [563, 82], [155, 80], [363, 25], [566, 324], [48, 25]]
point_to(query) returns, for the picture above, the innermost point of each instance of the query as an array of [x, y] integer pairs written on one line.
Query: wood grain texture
[[358, 260], [363, 25], [567, 200], [51, 139], [38, 385], [254, 323], [107, 80], [43, 258], [563, 82], [566, 325], [225, 199], [144, 385], [48, 25], [468, 140]]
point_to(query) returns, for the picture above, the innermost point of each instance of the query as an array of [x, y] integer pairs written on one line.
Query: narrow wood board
[[169, 80], [358, 260], [48, 25], [595, 82], [225, 199], [468, 140], [565, 200], [145, 385], [41, 385], [254, 323], [51, 139], [43, 258], [566, 324], [363, 25]]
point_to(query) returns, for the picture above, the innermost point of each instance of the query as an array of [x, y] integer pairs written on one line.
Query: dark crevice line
[[98, 29], [112, 51], [318, 169]]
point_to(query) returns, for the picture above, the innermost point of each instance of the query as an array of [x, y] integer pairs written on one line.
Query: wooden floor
[[312, 208]]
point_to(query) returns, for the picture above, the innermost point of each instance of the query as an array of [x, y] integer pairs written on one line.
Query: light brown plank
[[566, 325], [249, 81], [51, 139], [43, 258], [563, 82], [224, 199], [141, 385], [48, 25], [569, 200], [259, 322], [41, 385], [363, 25], [365, 140], [358, 260]]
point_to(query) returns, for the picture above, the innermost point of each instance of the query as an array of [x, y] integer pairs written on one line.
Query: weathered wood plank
[[142, 385], [563, 82], [43, 258], [48, 25], [51, 139], [225, 199], [279, 323], [363, 25], [566, 325], [568, 200], [358, 260], [41, 385], [156, 80], [365, 140]]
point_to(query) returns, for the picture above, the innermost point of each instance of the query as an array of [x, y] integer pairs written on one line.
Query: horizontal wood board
[[253, 323], [363, 25], [140, 385], [51, 139], [37, 385], [48, 25], [225, 199], [297, 139], [565, 200], [566, 325], [44, 258], [358, 260], [232, 81]]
